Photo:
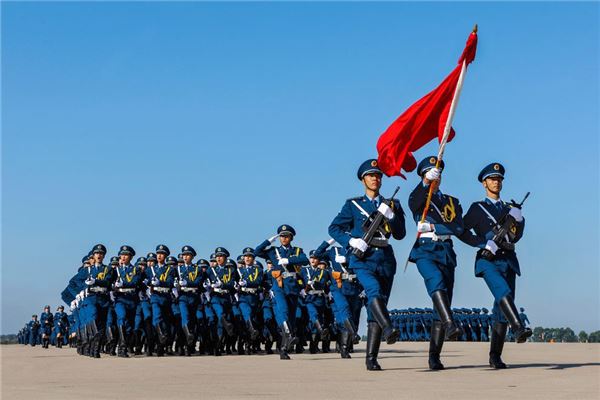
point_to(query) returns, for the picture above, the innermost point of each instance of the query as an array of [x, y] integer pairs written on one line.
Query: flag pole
[[447, 130]]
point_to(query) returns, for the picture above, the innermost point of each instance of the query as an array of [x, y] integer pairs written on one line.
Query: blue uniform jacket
[[348, 224], [296, 259], [478, 230], [445, 213], [320, 281], [348, 288], [193, 275], [253, 275], [131, 277], [165, 274], [225, 275]]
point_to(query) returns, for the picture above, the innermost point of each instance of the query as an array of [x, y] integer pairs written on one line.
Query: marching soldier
[[97, 302], [314, 293], [250, 285], [33, 328], [221, 281], [497, 263], [376, 268], [345, 290], [127, 285], [286, 283], [433, 252], [61, 325], [47, 322], [161, 278], [190, 282]]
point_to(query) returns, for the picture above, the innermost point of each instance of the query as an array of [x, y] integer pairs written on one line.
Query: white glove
[[283, 262], [433, 174], [155, 281], [183, 282], [303, 293], [237, 297], [491, 246], [148, 292], [311, 282], [175, 292], [78, 297], [340, 259], [330, 296], [90, 281], [73, 305], [217, 284], [271, 294], [119, 283], [112, 296], [331, 241], [516, 214], [273, 239], [206, 284], [363, 295], [387, 212], [261, 296], [358, 243], [423, 227], [243, 282], [141, 295]]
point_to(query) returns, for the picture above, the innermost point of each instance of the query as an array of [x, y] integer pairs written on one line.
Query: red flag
[[422, 122]]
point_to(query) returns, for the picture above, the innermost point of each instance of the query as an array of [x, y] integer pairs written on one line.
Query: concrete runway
[[538, 371]]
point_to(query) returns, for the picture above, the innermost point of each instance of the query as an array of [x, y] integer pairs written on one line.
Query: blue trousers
[[377, 284], [221, 307], [125, 308], [501, 284], [248, 304], [96, 309], [284, 307], [161, 308], [188, 305], [436, 277]]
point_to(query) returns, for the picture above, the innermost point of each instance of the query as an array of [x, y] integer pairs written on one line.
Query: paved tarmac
[[538, 371]]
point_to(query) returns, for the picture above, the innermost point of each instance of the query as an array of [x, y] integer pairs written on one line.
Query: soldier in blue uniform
[[251, 276], [269, 330], [205, 317], [33, 328], [61, 326], [161, 279], [47, 323], [317, 279], [190, 284], [220, 280], [501, 269], [345, 291], [286, 282], [99, 280], [111, 331], [375, 272], [523, 317], [434, 254], [127, 286]]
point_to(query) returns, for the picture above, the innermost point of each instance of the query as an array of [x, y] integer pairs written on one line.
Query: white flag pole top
[[448, 127]]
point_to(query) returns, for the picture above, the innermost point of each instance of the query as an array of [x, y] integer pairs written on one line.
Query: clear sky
[[210, 124]]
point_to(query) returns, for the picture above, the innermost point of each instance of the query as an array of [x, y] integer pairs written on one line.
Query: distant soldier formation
[[165, 305]]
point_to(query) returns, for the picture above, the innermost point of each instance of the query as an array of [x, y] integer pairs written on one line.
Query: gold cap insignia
[[496, 167], [432, 160], [374, 163]]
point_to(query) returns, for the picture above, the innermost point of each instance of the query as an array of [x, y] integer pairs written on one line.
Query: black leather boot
[[345, 341], [441, 303], [497, 344], [149, 331], [285, 342], [507, 305], [381, 315], [435, 346], [228, 326], [253, 332], [373, 343], [138, 343], [190, 341], [122, 343]]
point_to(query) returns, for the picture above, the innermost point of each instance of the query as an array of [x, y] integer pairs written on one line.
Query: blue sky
[[210, 124]]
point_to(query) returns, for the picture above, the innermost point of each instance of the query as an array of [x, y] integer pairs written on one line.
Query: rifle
[[372, 226], [503, 235]]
